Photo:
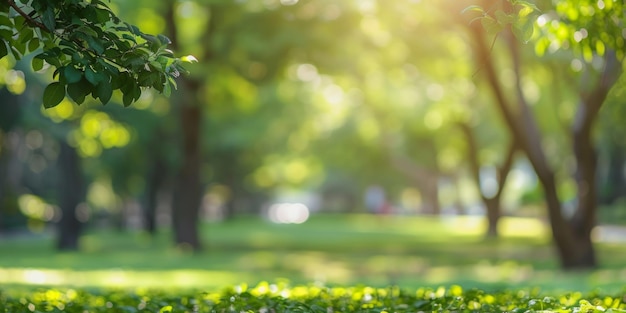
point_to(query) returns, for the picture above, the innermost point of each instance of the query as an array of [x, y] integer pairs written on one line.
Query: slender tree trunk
[[71, 195], [494, 213], [155, 181], [614, 182], [492, 203], [426, 181]]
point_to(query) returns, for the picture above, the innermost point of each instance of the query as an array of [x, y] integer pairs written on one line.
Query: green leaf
[[524, 12], [127, 98], [16, 53], [91, 76], [37, 64], [95, 44], [53, 95], [19, 47], [72, 74], [6, 34], [491, 25], [524, 30], [473, 8], [121, 81], [33, 44], [48, 18], [129, 37], [136, 92], [102, 16], [526, 4], [167, 89], [104, 92], [3, 49], [78, 91], [189, 59], [504, 18], [26, 34], [164, 40], [5, 21], [87, 31]]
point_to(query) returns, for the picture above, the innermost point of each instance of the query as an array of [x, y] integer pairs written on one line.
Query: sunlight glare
[[306, 72], [433, 120], [288, 213], [434, 92], [333, 94], [488, 181]]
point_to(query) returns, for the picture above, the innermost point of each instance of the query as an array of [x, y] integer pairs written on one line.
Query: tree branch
[[28, 18]]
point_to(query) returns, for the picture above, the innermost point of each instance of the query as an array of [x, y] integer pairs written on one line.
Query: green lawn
[[333, 249]]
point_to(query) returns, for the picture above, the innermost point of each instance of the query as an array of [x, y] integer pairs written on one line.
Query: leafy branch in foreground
[[92, 50], [518, 14]]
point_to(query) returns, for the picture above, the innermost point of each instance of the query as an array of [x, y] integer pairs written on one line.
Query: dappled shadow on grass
[[408, 251]]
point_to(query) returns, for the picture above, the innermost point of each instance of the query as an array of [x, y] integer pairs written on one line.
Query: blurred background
[[338, 142]]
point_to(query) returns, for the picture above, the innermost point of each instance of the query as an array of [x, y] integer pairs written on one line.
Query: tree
[[602, 42], [92, 50], [94, 53], [490, 198]]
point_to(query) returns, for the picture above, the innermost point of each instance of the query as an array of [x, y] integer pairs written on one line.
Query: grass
[[333, 249]]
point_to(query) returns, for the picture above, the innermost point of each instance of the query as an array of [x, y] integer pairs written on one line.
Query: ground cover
[[281, 297], [334, 250]]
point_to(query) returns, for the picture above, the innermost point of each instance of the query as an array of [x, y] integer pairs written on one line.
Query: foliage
[[519, 15], [281, 297], [588, 27], [92, 50]]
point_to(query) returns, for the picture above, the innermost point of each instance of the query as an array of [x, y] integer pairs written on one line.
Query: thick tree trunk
[[187, 196], [586, 158], [188, 191], [572, 240], [71, 195]]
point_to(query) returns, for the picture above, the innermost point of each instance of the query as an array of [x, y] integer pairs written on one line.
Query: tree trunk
[[187, 191], [71, 195], [586, 158], [572, 241], [492, 203], [614, 182], [494, 212], [187, 196], [155, 181]]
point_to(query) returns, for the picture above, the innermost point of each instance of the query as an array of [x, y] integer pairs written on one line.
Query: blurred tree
[[10, 115], [93, 53], [602, 43], [613, 147], [492, 199], [72, 194]]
